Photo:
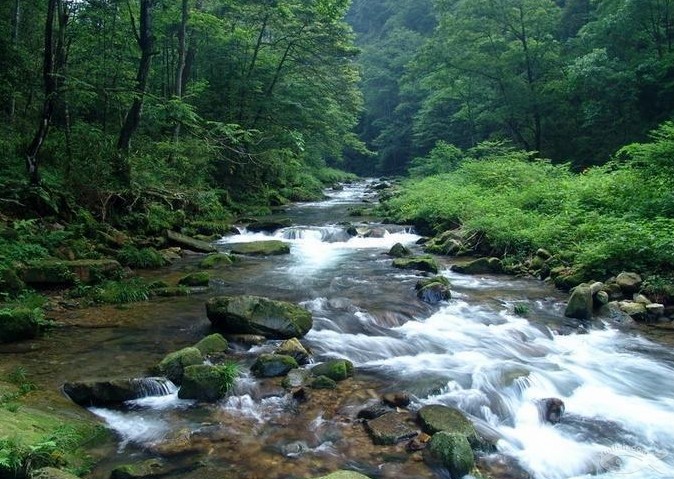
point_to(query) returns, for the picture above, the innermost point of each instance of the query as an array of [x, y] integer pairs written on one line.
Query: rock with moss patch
[[189, 243], [421, 263], [195, 279], [433, 290], [140, 470], [273, 365], [436, 417], [51, 473], [399, 250], [18, 324], [213, 343], [635, 310], [391, 428], [580, 303], [480, 266], [114, 391], [10, 283], [261, 248], [215, 260], [174, 364], [293, 347], [629, 283], [323, 382], [259, 316], [447, 243], [344, 475], [451, 450], [336, 369], [205, 382]]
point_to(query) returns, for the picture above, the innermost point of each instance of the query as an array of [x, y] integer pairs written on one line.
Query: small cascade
[[153, 386]]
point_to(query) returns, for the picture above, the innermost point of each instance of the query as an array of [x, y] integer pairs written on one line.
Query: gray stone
[[293, 347], [391, 428], [273, 365], [480, 266], [655, 310], [192, 244], [629, 283], [580, 303], [636, 311]]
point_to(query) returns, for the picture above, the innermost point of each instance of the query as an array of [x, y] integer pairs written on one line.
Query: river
[[472, 352]]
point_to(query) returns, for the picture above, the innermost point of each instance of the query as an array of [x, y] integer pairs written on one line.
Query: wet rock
[[613, 290], [436, 418], [258, 315], [195, 279], [213, 343], [502, 466], [375, 233], [173, 364], [550, 410], [451, 450], [273, 365], [601, 298], [116, 391], [615, 315], [480, 266], [373, 412], [421, 263], [269, 226], [565, 278], [399, 250], [204, 382], [296, 378], [51, 271], [51, 473], [397, 399], [18, 324], [629, 283], [293, 347], [433, 290], [447, 243], [391, 428], [247, 339], [323, 382], [636, 311], [189, 243], [640, 298], [336, 369], [580, 303], [294, 449], [140, 470], [655, 310], [344, 475], [261, 248], [419, 443], [215, 260]]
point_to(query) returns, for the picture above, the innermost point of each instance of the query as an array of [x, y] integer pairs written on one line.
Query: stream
[[472, 352]]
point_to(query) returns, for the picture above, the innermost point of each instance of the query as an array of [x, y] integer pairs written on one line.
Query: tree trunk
[[145, 41], [16, 19], [50, 90], [182, 61]]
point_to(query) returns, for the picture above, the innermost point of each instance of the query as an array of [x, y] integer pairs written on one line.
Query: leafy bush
[[145, 258], [121, 292]]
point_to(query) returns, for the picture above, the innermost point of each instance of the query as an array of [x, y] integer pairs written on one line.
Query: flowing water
[[471, 352]]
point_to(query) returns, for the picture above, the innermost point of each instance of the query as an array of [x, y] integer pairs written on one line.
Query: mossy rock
[[323, 382], [174, 364], [480, 266], [445, 243], [292, 347], [273, 365], [421, 263], [258, 315], [344, 475], [391, 428], [451, 450], [336, 369], [10, 283], [399, 250], [436, 418], [213, 343], [580, 303], [139, 470], [195, 279], [433, 290], [18, 324], [51, 473], [215, 260], [261, 248], [189, 243], [204, 382]]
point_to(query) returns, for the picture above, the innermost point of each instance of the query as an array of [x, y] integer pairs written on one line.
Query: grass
[[143, 258]]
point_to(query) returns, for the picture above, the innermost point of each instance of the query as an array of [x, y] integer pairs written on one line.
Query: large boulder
[[174, 364], [451, 450], [115, 391], [391, 428], [273, 365], [635, 310], [629, 283], [336, 369], [580, 303], [261, 248], [259, 316], [421, 263], [18, 323], [213, 343], [480, 266], [189, 243], [54, 271], [436, 417], [205, 382]]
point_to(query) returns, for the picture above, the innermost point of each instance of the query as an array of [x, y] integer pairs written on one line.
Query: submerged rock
[[391, 428], [173, 364], [399, 399], [216, 259], [140, 470], [189, 243], [261, 248], [344, 475], [480, 266], [273, 365], [258, 316], [336, 369], [580, 303], [453, 451], [323, 382], [296, 378], [421, 263]]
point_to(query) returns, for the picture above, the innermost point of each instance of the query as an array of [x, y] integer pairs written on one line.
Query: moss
[[207, 383], [173, 365], [323, 382], [272, 365], [10, 283], [436, 418], [261, 248], [336, 369], [422, 263], [19, 323], [195, 279], [213, 343], [216, 259], [453, 451]]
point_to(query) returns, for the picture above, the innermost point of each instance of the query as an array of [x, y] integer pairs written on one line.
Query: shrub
[[120, 292], [145, 258]]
